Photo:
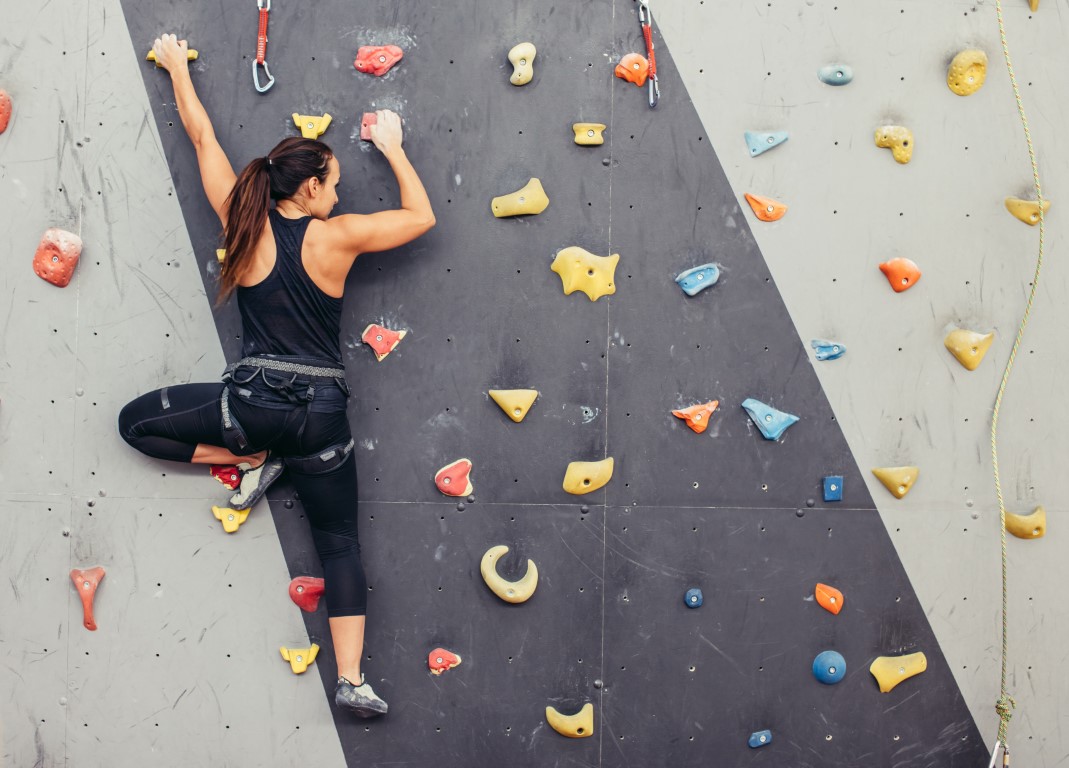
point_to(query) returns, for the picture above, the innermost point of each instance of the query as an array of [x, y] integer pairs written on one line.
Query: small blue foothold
[[829, 667], [827, 350], [836, 74], [771, 422], [694, 280], [762, 142], [833, 488], [693, 598], [760, 739]]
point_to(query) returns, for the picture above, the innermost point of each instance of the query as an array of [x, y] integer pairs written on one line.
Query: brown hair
[[275, 177]]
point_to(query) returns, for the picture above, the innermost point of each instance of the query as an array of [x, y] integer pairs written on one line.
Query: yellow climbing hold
[[230, 518], [522, 58], [191, 55], [1033, 5], [1032, 526], [577, 726], [580, 270], [1026, 210], [898, 139], [299, 658], [529, 200], [586, 476], [898, 480], [220, 255], [312, 127], [588, 134], [967, 72], [969, 347], [510, 591], [514, 402], [889, 671]]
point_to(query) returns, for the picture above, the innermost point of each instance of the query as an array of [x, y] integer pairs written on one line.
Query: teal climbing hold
[[835, 74], [693, 598], [760, 739], [833, 488], [771, 422], [694, 280], [829, 667], [827, 350], [762, 142]]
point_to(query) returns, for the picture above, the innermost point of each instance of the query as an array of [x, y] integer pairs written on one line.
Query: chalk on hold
[[967, 72], [898, 480], [57, 255], [5, 110], [898, 139], [191, 55], [305, 591], [693, 598], [760, 142], [833, 488], [227, 474], [86, 582], [901, 273], [827, 350], [518, 591], [634, 68], [697, 416], [759, 739], [765, 208], [968, 347], [312, 127], [772, 423], [835, 74], [588, 134], [1026, 210], [514, 402], [580, 270], [522, 58], [586, 476], [454, 479], [439, 660], [377, 59], [889, 671], [577, 726], [697, 279], [829, 667], [382, 340], [299, 658], [1032, 526], [828, 598], [530, 200], [230, 518]]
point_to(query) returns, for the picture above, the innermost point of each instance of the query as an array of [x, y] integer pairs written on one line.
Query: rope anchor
[[261, 49]]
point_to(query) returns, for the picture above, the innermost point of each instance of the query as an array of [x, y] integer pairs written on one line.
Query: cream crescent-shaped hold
[[519, 591], [577, 726]]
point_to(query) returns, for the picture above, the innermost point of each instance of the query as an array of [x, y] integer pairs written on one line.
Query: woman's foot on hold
[[360, 699], [256, 479]]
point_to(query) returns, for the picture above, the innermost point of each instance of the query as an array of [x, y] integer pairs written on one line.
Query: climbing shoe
[[255, 482], [359, 699]]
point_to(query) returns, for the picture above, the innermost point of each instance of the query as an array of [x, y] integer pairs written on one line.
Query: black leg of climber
[[283, 406]]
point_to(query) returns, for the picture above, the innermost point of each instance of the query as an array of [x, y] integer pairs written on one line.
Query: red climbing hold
[[829, 598], [634, 68], [439, 660], [5, 110], [381, 340], [901, 273], [86, 582], [227, 474], [377, 59], [305, 591], [369, 119], [454, 478], [57, 256]]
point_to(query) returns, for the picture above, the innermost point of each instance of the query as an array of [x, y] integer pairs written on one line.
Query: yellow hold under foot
[[1032, 526], [889, 671], [577, 726], [230, 518], [898, 480], [299, 658]]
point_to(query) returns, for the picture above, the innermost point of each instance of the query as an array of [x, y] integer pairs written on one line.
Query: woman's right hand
[[386, 134], [171, 53]]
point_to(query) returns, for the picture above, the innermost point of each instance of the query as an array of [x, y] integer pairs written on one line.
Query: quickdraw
[[645, 20], [261, 49]]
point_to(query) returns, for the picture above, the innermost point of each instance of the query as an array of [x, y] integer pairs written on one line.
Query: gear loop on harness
[[264, 7]]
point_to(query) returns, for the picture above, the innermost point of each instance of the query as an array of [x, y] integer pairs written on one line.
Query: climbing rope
[[1006, 704]]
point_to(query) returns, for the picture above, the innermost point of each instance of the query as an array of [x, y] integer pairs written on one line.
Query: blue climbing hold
[[760, 739], [829, 667], [771, 422], [693, 598], [759, 142], [694, 280], [833, 488], [827, 350], [836, 74]]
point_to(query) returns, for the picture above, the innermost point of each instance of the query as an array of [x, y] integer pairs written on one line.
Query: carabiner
[[256, 75], [264, 7]]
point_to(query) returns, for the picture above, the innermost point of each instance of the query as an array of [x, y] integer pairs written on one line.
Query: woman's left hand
[[171, 53]]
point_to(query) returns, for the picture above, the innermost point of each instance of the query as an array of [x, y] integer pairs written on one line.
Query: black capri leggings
[[170, 422]]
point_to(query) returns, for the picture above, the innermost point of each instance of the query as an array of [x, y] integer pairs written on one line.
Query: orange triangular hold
[[86, 582], [697, 416], [901, 273], [765, 208], [829, 598]]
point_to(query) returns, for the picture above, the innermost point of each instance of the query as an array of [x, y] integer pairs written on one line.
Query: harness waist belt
[[286, 367]]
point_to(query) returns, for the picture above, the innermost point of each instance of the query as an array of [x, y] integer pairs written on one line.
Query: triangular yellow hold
[[969, 347], [230, 518], [312, 127], [299, 658], [898, 480], [1026, 210], [514, 402], [1032, 526]]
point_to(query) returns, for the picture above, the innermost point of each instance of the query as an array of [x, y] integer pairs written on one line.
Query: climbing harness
[[261, 49], [645, 20]]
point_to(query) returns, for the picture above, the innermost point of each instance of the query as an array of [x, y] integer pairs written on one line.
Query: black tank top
[[286, 313]]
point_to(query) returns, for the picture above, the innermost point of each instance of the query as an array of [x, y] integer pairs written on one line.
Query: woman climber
[[282, 407]]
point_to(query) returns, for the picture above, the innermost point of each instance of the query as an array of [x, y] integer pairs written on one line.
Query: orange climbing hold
[[57, 256], [439, 660], [369, 119], [697, 416], [382, 340], [5, 110], [377, 60], [305, 591], [454, 479], [901, 273], [634, 68], [765, 208], [829, 598], [86, 582]]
